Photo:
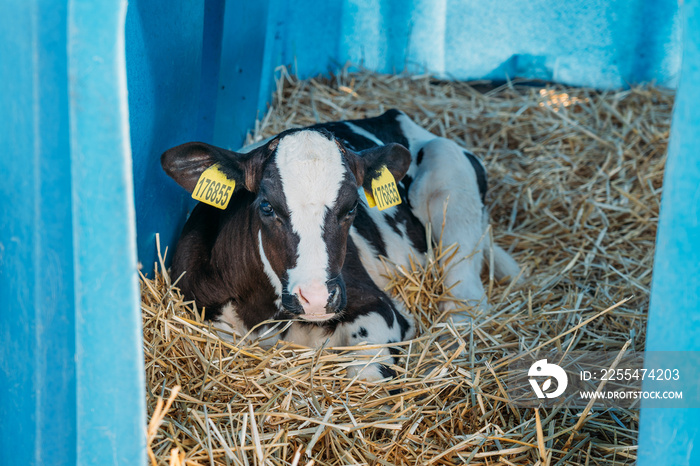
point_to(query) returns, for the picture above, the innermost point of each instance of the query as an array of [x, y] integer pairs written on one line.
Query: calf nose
[[313, 298]]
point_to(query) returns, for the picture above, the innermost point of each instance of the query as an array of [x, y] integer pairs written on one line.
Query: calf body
[[299, 242]]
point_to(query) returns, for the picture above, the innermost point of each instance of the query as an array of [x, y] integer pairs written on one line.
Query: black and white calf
[[298, 240]]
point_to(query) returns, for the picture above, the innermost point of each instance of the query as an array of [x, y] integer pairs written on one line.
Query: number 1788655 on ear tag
[[384, 193], [214, 188]]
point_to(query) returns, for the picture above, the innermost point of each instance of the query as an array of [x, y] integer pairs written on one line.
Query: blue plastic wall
[[600, 43], [172, 56], [71, 360], [670, 436], [93, 93]]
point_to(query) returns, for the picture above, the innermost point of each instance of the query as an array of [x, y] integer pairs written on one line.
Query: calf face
[[305, 184]]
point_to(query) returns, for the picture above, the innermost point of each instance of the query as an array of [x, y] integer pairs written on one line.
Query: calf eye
[[266, 208], [352, 211]]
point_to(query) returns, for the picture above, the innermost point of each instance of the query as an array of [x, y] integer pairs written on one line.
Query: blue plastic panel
[[172, 98], [110, 390], [672, 436], [71, 361], [190, 78], [599, 43], [244, 79], [37, 320]]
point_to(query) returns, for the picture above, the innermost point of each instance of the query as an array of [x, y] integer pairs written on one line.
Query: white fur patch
[[312, 170], [414, 133], [229, 322], [311, 335], [271, 275], [416, 136], [376, 331], [364, 133]]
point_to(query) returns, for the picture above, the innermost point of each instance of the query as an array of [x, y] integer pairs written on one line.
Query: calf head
[[305, 184]]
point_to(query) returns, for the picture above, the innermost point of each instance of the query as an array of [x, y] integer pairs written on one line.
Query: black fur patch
[[480, 174], [364, 297], [403, 214], [420, 156], [210, 279], [404, 325], [405, 184], [363, 332], [391, 221], [385, 127], [387, 371], [394, 350], [366, 227]]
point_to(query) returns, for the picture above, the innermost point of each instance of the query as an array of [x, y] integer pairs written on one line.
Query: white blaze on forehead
[[312, 171]]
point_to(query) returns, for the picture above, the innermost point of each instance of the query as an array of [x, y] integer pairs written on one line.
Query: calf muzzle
[[316, 301]]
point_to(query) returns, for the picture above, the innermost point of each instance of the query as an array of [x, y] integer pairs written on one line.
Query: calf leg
[[504, 266], [446, 187], [371, 329]]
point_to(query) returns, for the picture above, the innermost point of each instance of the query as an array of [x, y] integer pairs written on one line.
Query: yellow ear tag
[[370, 199], [384, 193], [214, 187]]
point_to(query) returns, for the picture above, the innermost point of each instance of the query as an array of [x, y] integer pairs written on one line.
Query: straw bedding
[[575, 183]]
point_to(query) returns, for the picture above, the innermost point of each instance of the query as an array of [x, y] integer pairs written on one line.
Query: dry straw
[[575, 181]]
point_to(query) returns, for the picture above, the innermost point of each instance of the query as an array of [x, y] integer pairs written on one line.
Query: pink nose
[[313, 298]]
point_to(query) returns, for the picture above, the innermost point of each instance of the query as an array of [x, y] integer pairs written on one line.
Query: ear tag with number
[[214, 187], [384, 192]]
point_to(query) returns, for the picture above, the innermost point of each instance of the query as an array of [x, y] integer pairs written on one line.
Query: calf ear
[[368, 164], [185, 164]]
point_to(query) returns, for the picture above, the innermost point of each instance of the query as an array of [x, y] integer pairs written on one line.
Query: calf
[[298, 240]]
